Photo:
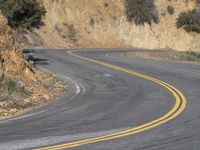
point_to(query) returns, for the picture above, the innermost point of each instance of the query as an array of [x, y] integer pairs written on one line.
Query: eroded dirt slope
[[103, 23], [21, 87]]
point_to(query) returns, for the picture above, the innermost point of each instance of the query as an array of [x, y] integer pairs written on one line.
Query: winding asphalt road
[[105, 100]]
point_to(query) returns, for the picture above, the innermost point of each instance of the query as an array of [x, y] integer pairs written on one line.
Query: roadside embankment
[[22, 87]]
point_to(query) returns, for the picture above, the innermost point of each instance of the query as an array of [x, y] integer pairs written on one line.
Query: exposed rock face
[[103, 23], [31, 88], [164, 35], [84, 23], [12, 61], [6, 41]]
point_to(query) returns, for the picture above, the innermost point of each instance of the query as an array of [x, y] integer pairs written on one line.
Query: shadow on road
[[35, 60]]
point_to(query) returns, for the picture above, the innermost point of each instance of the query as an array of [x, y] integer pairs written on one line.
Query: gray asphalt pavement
[[101, 101]]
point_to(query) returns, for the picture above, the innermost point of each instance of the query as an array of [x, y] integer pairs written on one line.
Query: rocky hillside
[[11, 58], [103, 23], [21, 87]]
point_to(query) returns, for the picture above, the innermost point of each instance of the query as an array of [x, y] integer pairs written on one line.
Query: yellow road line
[[180, 105]]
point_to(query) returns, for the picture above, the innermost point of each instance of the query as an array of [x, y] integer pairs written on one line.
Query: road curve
[[110, 100]]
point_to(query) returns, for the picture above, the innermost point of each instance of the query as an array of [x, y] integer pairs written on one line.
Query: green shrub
[[72, 33], [92, 22], [23, 13], [170, 9], [191, 56], [190, 21], [11, 86], [2, 98], [141, 11]]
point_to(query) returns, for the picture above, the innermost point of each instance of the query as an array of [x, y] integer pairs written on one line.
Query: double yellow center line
[[179, 106]]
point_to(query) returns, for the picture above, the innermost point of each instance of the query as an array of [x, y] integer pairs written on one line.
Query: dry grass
[[165, 55], [17, 98]]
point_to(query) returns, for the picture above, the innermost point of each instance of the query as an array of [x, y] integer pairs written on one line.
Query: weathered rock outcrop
[[103, 23], [12, 60], [21, 87]]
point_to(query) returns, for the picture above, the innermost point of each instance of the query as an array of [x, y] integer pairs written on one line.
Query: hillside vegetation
[[23, 13], [190, 21], [141, 11]]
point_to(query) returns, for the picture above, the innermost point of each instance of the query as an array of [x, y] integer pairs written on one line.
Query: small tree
[[170, 9], [141, 11], [23, 13]]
